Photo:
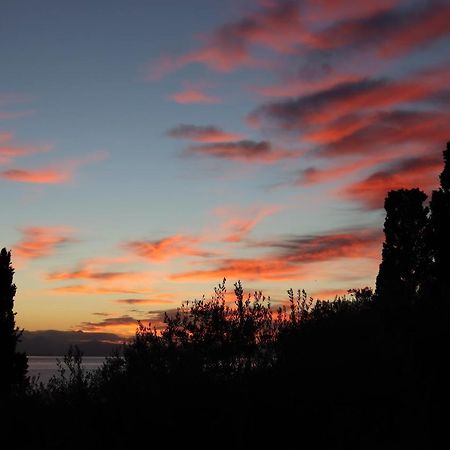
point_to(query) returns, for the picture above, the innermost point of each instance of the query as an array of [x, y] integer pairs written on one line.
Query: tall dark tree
[[440, 233], [13, 364], [405, 254]]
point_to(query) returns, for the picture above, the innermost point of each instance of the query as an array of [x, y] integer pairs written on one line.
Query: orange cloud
[[313, 175], [390, 133], [9, 151], [143, 301], [206, 134], [238, 224], [294, 87], [391, 31], [246, 269], [245, 151], [96, 290], [353, 97], [55, 174], [347, 9], [278, 26], [408, 173], [167, 248], [39, 242], [94, 275], [193, 95], [37, 176], [123, 325], [292, 256]]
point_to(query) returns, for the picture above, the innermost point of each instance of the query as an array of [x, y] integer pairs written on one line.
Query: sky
[[148, 149]]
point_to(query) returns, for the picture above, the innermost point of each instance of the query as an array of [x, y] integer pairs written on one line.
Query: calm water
[[45, 366]]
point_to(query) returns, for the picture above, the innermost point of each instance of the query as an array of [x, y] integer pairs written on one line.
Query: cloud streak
[[247, 151], [39, 242], [170, 247], [404, 174], [205, 134], [291, 257], [192, 95], [60, 173]]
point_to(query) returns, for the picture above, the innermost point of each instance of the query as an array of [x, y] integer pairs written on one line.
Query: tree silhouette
[[14, 364], [440, 232], [405, 256]]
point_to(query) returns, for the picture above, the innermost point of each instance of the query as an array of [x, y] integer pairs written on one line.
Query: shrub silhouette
[[14, 364]]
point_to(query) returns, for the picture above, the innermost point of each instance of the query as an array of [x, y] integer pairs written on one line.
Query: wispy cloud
[[238, 224], [352, 97], [407, 173], [167, 248], [389, 27], [205, 133], [58, 173], [85, 289], [291, 258], [144, 301], [263, 152], [9, 150], [391, 31], [278, 26], [193, 94], [39, 241]]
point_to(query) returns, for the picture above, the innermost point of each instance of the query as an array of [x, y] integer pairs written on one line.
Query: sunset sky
[[148, 149]]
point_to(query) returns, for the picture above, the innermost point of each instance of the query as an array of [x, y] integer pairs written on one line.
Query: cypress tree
[[405, 253], [13, 364]]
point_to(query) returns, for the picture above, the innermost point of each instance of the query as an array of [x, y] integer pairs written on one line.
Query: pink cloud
[[54, 174], [205, 134], [245, 151], [167, 248], [292, 256], [84, 289], [37, 176], [294, 87], [421, 171], [9, 150], [239, 223], [39, 242], [352, 98], [391, 31], [193, 95], [276, 26]]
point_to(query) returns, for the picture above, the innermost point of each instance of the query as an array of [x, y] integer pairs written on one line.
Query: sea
[[44, 367]]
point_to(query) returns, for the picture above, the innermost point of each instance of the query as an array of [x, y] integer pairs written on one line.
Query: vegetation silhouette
[[365, 371], [13, 364]]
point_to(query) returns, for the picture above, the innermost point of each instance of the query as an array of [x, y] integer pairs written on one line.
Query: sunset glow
[[178, 143]]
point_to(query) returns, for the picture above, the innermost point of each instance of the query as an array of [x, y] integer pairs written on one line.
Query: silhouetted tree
[[440, 233], [13, 364], [405, 255], [435, 338]]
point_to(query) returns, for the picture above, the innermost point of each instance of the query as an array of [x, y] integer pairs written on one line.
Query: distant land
[[56, 343]]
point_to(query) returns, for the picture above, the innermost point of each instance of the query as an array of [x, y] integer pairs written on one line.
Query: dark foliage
[[405, 256], [13, 364]]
